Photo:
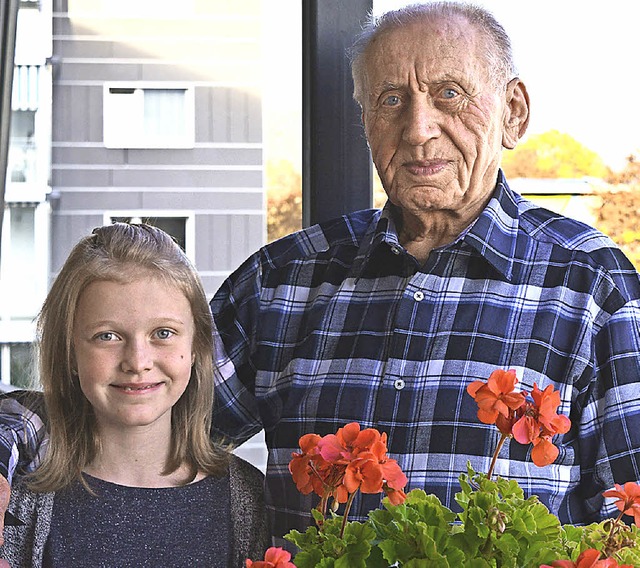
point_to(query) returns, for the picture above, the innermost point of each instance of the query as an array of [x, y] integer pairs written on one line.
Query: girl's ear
[[516, 116]]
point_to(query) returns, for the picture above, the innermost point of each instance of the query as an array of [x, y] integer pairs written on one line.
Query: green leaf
[[478, 563], [497, 528], [305, 539], [419, 563], [308, 558], [629, 556]]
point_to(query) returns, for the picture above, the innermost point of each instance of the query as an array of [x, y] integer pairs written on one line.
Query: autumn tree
[[630, 174], [552, 154], [284, 199]]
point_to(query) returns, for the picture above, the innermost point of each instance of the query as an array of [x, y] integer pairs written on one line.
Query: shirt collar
[[493, 234], [380, 236]]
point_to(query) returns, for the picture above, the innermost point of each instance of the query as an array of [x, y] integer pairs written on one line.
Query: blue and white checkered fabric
[[337, 323]]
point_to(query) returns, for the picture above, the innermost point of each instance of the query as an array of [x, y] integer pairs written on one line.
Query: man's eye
[[449, 93], [391, 100], [164, 333]]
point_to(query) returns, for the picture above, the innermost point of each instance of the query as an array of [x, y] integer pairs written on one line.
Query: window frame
[[120, 135], [188, 216]]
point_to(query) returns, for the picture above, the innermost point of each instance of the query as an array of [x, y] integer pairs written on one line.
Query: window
[[20, 296], [148, 116], [144, 8], [22, 149], [16, 366], [175, 226]]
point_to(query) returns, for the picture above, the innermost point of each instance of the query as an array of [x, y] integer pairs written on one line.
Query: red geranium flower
[[531, 420], [496, 397], [396, 496], [273, 558], [628, 499], [394, 478], [539, 422], [301, 467], [588, 559], [338, 465], [347, 443], [547, 403], [363, 473]]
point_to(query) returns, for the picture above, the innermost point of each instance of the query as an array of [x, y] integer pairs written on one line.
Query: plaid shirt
[[337, 323]]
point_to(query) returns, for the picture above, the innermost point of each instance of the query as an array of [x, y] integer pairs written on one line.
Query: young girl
[[130, 476]]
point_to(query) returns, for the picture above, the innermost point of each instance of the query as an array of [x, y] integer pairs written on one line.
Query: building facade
[[24, 265], [145, 110]]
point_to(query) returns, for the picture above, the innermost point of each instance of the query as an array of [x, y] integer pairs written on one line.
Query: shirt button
[[398, 384], [418, 296], [395, 250]]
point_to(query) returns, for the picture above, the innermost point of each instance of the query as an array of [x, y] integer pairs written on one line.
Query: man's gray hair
[[498, 53]]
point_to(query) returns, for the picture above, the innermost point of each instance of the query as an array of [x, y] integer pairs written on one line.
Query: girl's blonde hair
[[120, 253]]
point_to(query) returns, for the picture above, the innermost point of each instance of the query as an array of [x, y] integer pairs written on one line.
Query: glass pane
[[175, 226], [164, 114], [22, 148], [21, 368], [21, 275], [122, 117]]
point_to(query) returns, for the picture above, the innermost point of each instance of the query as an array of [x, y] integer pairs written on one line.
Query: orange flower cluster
[[530, 418], [588, 559], [628, 499], [338, 465], [274, 557]]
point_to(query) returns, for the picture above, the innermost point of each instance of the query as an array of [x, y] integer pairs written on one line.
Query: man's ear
[[516, 116]]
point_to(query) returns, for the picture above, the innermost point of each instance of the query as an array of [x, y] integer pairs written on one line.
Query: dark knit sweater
[[134, 527], [245, 524]]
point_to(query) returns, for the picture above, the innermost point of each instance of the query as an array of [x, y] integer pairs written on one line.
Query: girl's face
[[133, 347]]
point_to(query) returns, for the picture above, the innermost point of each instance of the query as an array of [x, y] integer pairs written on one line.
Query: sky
[[578, 59]]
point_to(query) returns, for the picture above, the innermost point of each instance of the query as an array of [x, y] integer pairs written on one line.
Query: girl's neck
[[136, 459]]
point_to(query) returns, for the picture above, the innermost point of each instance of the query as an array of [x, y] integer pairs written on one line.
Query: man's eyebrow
[[385, 86], [390, 85]]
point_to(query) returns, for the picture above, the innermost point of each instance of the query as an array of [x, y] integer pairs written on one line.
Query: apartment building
[[129, 109]]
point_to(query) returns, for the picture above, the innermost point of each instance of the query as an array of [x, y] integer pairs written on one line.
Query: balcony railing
[[22, 163], [25, 95]]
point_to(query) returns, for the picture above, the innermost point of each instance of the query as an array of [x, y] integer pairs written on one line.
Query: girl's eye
[[391, 100], [164, 333], [106, 336]]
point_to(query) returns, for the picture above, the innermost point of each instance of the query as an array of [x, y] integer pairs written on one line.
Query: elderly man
[[385, 317]]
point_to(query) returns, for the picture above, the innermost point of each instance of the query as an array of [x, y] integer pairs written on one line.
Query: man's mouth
[[425, 167]]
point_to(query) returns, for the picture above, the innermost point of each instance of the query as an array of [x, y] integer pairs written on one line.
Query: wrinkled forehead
[[433, 48]]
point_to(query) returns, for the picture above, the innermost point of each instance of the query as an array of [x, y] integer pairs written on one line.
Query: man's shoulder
[[577, 243], [547, 226], [336, 240], [320, 239]]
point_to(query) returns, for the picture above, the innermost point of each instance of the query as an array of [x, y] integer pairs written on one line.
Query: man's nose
[[137, 356], [421, 122]]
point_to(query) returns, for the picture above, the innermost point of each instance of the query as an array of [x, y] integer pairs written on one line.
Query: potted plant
[[496, 527]]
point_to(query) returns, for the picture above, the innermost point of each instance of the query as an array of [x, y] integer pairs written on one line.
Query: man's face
[[433, 119]]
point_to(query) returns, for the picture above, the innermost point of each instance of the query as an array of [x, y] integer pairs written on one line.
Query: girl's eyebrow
[[161, 320]]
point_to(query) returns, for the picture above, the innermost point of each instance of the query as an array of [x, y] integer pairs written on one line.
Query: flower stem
[[610, 545], [347, 507], [495, 455]]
